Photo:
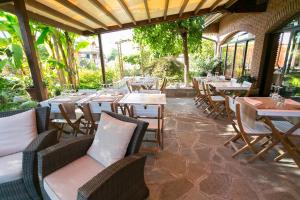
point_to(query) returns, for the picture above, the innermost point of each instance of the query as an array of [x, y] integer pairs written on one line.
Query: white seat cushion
[[11, 167], [111, 140], [259, 128], [284, 126], [64, 183], [217, 98], [17, 132]]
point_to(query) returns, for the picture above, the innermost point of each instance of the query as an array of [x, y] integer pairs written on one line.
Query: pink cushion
[[17, 132], [111, 140], [65, 182]]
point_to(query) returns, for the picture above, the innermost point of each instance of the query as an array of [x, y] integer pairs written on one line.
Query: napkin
[[252, 102]]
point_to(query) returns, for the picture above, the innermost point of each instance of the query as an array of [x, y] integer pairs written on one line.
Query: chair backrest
[[164, 85], [42, 117], [209, 94], [230, 107], [147, 111], [128, 86], [135, 88], [239, 118], [196, 86], [138, 135], [67, 110], [204, 87]]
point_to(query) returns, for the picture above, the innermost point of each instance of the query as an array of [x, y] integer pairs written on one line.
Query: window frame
[[226, 44]]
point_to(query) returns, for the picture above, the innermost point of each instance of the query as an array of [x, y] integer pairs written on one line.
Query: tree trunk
[[142, 59], [70, 52], [186, 57], [56, 56]]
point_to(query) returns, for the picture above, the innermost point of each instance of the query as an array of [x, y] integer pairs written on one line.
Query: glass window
[[282, 49], [239, 59], [229, 60], [249, 54], [287, 64], [223, 53], [291, 77], [239, 54]]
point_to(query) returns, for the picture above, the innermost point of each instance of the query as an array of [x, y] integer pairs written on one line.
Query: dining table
[[144, 99], [229, 86], [144, 82], [273, 110]]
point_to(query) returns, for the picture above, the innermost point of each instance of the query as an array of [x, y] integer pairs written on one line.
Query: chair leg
[[278, 158], [241, 150], [263, 151], [232, 139]]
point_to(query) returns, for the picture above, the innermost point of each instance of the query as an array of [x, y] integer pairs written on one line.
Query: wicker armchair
[[122, 180], [28, 186]]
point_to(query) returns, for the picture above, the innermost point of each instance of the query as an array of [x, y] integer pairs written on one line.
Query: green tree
[[113, 54], [166, 67], [173, 38]]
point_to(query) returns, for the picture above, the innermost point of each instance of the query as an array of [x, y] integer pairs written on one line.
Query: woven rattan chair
[[28, 186], [122, 180]]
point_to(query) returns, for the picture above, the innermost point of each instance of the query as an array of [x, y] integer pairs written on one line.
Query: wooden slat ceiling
[[99, 16]]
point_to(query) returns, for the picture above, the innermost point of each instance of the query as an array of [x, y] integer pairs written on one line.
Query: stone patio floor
[[195, 164]]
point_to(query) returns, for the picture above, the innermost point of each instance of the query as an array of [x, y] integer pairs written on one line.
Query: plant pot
[[33, 93]]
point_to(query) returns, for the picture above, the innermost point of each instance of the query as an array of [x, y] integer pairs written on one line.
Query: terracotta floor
[[196, 165]]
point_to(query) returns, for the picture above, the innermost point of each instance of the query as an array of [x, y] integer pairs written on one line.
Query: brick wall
[[278, 13]]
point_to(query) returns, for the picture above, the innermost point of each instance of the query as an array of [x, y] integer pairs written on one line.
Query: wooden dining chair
[[250, 135], [216, 103], [153, 114], [231, 115], [164, 85], [200, 97], [64, 114], [92, 112], [284, 132], [155, 91], [128, 86]]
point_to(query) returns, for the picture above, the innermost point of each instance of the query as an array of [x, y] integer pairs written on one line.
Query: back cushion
[[111, 140], [17, 132]]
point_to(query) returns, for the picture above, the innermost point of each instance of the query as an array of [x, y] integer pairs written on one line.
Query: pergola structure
[[87, 17]]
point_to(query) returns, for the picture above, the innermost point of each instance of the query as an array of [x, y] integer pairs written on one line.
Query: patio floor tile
[[195, 165]]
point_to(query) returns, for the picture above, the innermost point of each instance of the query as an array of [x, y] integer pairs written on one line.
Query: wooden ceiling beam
[[76, 9], [199, 6], [51, 11], [98, 5], [184, 4], [157, 20], [230, 3], [41, 19], [125, 7], [166, 9], [215, 5], [147, 10]]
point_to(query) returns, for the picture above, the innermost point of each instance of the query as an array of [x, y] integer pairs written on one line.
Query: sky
[[109, 42]]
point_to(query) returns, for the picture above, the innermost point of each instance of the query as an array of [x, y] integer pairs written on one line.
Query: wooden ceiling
[[100, 16]]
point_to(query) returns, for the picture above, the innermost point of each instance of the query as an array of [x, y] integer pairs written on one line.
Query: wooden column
[[30, 52], [101, 58]]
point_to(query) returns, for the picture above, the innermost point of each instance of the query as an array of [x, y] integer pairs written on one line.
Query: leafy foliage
[[166, 67], [165, 39]]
